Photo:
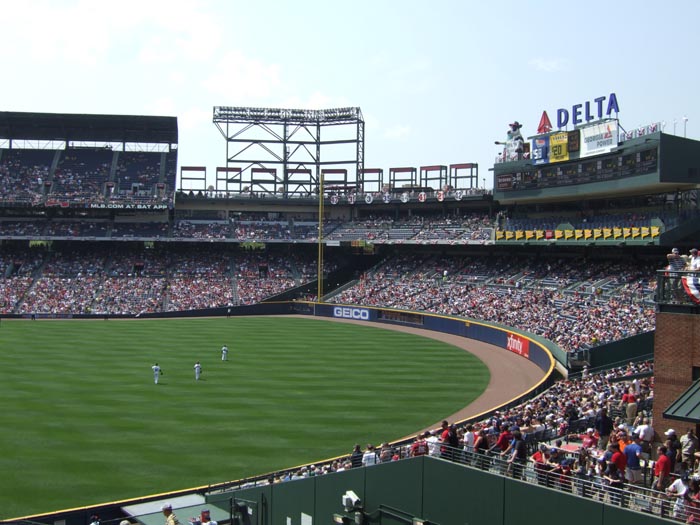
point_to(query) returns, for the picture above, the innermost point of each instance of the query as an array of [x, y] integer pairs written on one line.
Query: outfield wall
[[510, 339], [428, 490], [532, 347]]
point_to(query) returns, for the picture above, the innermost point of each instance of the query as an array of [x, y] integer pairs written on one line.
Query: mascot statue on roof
[[516, 142], [514, 146]]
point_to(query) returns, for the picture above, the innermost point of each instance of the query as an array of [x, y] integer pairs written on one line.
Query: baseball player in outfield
[[197, 371], [157, 372], [224, 353]]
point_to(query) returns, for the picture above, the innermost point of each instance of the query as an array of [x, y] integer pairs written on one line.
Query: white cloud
[[547, 65]]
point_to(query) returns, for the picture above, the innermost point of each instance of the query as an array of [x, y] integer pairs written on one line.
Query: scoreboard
[[582, 171]]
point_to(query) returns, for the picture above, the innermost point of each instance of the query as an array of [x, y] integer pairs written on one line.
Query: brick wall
[[676, 352]]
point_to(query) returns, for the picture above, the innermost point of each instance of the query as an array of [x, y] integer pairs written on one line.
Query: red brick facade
[[676, 352]]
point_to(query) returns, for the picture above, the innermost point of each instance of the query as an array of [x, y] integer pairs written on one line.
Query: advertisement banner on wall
[[558, 150], [598, 138], [540, 150], [574, 145], [517, 344]]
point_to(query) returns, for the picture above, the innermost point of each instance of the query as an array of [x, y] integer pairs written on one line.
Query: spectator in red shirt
[[629, 402], [618, 458], [504, 438], [662, 469], [588, 440], [419, 446]]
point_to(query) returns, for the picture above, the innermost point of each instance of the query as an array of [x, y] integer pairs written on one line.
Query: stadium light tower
[[685, 126]]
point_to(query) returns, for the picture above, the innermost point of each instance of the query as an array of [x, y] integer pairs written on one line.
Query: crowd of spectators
[[129, 295], [593, 220], [22, 175], [86, 176], [104, 280], [75, 228], [81, 175], [136, 174], [575, 303], [18, 228], [474, 228], [21, 264], [259, 276], [244, 230], [201, 230], [151, 230], [199, 280], [415, 229]]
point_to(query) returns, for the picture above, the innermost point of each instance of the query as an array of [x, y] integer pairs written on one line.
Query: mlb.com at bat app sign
[[351, 313], [518, 345]]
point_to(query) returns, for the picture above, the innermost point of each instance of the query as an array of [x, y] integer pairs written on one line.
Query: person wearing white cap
[[170, 517]]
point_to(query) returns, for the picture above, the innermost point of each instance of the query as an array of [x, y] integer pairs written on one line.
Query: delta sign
[[594, 109], [579, 114]]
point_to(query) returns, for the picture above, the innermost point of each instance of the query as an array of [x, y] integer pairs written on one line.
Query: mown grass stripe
[[88, 425]]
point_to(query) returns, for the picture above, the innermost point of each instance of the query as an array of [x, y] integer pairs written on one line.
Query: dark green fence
[[427, 490]]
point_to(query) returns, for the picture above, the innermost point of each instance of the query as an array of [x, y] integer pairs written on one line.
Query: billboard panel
[[558, 151], [598, 138], [540, 150]]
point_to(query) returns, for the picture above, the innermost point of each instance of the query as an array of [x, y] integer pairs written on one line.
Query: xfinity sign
[[518, 345], [345, 312]]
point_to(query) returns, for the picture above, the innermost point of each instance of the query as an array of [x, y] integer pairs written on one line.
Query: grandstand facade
[[93, 222]]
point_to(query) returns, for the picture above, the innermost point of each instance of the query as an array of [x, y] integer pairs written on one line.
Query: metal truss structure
[[287, 152]]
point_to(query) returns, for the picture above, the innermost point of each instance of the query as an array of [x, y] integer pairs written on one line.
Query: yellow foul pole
[[319, 267]]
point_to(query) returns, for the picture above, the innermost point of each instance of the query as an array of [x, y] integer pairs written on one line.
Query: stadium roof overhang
[[687, 406], [88, 128]]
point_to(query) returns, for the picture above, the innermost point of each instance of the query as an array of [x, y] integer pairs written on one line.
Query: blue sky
[[437, 82]]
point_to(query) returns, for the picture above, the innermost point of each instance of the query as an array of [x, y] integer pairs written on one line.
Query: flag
[[691, 283]]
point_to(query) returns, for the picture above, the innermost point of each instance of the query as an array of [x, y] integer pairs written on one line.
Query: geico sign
[[351, 313]]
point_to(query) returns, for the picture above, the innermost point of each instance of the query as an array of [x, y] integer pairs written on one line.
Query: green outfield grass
[[83, 423]]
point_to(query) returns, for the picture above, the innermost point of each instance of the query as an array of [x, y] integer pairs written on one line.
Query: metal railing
[[678, 287], [572, 477]]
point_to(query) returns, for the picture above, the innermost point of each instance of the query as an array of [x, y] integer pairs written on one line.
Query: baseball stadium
[[300, 338]]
